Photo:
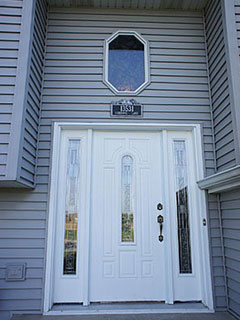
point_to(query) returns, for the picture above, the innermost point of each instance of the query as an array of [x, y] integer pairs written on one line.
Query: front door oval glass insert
[[127, 219]]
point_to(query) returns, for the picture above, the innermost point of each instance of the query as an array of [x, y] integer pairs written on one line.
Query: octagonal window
[[126, 63]]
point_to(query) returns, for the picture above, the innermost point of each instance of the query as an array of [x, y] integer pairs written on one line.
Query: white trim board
[[221, 182], [200, 198]]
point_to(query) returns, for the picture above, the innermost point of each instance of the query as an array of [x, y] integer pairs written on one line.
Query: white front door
[[127, 259], [108, 222]]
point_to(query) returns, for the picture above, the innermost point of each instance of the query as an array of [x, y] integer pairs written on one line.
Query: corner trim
[[222, 181]]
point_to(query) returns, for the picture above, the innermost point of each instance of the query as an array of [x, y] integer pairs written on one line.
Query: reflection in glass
[[71, 208], [126, 63], [184, 244], [127, 234]]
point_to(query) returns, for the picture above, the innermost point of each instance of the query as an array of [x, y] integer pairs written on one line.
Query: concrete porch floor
[[188, 316]]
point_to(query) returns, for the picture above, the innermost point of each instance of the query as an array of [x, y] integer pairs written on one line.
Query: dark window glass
[[126, 63], [184, 242]]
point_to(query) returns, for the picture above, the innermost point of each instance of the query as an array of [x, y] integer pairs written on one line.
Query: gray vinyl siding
[[230, 207], [219, 85], [23, 213], [10, 27], [73, 90], [237, 10], [73, 87], [32, 112], [219, 288], [137, 4]]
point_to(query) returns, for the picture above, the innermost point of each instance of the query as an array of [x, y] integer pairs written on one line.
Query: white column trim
[[87, 219], [169, 252]]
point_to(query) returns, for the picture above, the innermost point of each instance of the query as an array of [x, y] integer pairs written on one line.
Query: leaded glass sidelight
[[71, 208], [127, 218], [126, 63], [184, 242]]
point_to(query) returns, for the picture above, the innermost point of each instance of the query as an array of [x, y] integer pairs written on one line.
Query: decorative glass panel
[[184, 243], [126, 70], [71, 208], [127, 200]]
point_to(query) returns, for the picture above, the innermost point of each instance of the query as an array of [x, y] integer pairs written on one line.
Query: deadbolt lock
[[159, 206]]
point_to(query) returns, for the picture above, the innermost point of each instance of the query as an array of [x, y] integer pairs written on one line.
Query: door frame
[[200, 196]]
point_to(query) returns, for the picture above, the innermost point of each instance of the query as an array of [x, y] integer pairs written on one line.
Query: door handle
[[160, 221]]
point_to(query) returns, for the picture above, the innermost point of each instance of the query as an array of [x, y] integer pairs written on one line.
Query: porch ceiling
[[132, 4]]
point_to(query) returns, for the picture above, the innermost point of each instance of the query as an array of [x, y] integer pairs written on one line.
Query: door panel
[[126, 256]]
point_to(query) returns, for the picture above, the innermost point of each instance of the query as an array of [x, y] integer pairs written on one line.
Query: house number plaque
[[126, 108]]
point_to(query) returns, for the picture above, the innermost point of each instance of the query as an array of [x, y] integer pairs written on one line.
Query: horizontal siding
[[23, 213], [32, 114], [230, 206], [73, 86], [237, 10], [10, 27], [137, 4], [221, 109], [73, 90], [217, 254]]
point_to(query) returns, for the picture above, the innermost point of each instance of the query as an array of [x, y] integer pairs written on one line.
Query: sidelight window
[[182, 195], [71, 208]]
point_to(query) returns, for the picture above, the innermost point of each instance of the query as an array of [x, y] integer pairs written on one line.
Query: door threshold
[[128, 308]]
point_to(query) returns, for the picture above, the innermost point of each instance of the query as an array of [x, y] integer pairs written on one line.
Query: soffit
[[132, 4]]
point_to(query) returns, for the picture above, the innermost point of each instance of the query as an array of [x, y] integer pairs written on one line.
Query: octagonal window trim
[[146, 63]]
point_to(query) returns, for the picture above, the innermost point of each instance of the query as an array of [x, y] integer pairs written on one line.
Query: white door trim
[[58, 127]]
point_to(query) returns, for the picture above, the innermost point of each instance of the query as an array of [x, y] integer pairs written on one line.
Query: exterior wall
[[237, 15], [23, 213], [230, 211], [73, 87], [226, 206], [32, 113], [22, 54], [218, 271], [219, 86], [73, 91], [10, 26]]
